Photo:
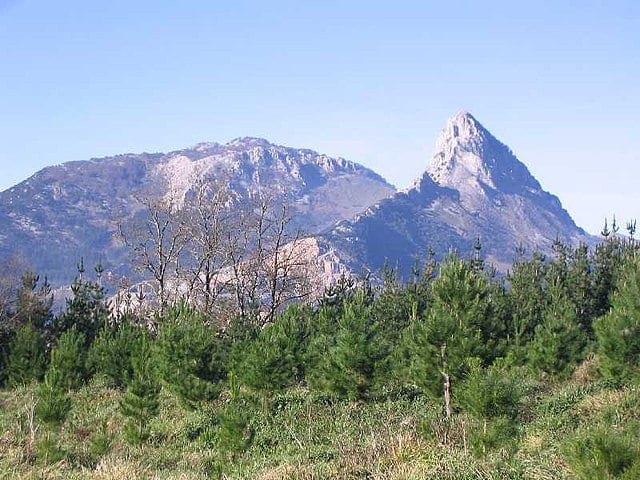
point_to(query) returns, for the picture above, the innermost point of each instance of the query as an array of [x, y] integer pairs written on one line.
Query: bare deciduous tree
[[11, 269], [287, 268], [269, 263], [156, 242], [207, 220], [219, 250]]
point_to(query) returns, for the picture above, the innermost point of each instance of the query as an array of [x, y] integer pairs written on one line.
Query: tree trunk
[[446, 381]]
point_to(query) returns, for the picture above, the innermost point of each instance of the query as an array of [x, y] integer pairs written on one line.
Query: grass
[[300, 434]]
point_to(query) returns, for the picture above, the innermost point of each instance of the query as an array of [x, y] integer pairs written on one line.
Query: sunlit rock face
[[474, 187]]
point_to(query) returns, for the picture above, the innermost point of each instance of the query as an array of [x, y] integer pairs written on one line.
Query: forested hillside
[[456, 373]]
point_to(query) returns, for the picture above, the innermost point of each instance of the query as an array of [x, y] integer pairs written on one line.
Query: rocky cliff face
[[70, 211], [474, 187]]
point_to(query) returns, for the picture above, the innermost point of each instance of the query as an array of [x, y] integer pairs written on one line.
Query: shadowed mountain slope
[[473, 188]]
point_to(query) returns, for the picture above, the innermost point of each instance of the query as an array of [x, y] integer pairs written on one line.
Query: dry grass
[[596, 403], [303, 440], [587, 371], [115, 468], [287, 472]]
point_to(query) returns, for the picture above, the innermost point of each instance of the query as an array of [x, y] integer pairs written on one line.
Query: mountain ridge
[[473, 187], [75, 206]]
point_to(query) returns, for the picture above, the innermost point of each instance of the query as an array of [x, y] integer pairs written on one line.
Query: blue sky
[[371, 81]]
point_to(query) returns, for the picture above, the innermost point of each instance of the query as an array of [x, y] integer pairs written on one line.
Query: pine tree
[[190, 356], [351, 362], [53, 401], [606, 262], [26, 361], [234, 432], [493, 396], [558, 270], [559, 339], [527, 301], [34, 302], [394, 306], [618, 332], [30, 305], [277, 358], [237, 340], [111, 352], [87, 308], [489, 392], [580, 287], [69, 359], [321, 337], [141, 400], [459, 324], [337, 294]]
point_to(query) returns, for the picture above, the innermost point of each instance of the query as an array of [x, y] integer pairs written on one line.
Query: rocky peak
[[468, 158], [474, 188], [244, 143], [462, 126]]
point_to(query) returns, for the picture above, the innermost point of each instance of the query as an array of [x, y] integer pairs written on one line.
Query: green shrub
[[189, 357], [110, 354], [603, 454], [618, 332], [47, 450], [69, 360], [487, 435], [99, 444], [26, 361], [276, 359], [141, 401], [53, 402], [201, 424]]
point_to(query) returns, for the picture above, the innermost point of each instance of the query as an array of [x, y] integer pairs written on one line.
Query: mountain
[[71, 210], [474, 187]]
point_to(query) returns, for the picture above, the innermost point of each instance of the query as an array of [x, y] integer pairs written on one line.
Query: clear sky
[[372, 81]]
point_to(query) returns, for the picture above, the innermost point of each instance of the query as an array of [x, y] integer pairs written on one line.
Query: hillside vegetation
[[456, 372]]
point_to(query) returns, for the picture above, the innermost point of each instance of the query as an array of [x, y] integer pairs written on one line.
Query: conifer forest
[[456, 372]]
